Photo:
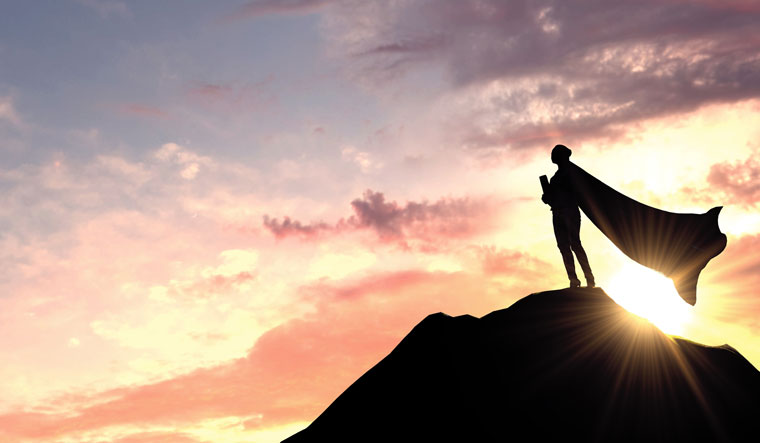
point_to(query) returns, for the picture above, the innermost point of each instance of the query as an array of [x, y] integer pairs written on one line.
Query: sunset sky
[[217, 215]]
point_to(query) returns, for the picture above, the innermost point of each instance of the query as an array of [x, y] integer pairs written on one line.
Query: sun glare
[[651, 295]]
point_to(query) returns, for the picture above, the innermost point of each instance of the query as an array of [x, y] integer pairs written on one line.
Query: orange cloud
[[159, 437], [294, 370]]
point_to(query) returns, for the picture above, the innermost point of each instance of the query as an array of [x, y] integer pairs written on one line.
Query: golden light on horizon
[[650, 295]]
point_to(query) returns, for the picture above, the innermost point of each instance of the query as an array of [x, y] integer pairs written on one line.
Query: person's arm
[[546, 196]]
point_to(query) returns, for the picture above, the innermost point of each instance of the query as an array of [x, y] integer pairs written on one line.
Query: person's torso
[[563, 192]]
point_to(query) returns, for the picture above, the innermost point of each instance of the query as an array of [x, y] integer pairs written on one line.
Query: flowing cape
[[677, 245]]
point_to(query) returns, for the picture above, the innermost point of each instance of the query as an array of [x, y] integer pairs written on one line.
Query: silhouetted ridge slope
[[568, 365]]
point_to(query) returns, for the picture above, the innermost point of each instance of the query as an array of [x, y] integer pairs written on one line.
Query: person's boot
[[590, 283], [574, 282]]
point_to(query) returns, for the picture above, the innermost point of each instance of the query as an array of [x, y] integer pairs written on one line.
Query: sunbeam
[[651, 295]]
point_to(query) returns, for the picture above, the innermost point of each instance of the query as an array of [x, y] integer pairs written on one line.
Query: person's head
[[561, 154]]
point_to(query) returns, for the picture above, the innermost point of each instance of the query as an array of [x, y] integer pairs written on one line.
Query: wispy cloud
[[189, 162], [259, 8], [292, 372], [363, 159], [500, 261], [142, 110], [233, 97], [142, 298], [526, 73], [159, 437], [8, 111]]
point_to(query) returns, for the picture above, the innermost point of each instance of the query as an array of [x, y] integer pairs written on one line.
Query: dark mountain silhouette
[[566, 365]]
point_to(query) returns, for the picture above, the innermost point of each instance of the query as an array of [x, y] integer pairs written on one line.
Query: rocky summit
[[565, 365]]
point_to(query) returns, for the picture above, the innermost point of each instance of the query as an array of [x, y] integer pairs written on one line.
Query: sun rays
[[651, 295]]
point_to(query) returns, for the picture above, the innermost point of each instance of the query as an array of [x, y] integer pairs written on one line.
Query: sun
[[651, 295]]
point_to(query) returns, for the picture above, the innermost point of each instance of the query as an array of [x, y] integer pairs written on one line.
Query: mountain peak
[[568, 364]]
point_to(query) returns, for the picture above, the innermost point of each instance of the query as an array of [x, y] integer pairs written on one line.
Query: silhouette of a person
[[566, 217]]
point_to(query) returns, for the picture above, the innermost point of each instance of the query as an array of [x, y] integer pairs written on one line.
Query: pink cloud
[[253, 96], [210, 90], [370, 285], [294, 370], [499, 261], [739, 181], [423, 223], [730, 183], [259, 8], [8, 111], [143, 110]]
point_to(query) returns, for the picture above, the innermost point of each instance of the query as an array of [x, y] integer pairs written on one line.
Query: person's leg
[[563, 243], [573, 225]]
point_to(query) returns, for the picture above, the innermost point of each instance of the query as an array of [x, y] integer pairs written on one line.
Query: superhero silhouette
[[677, 245]]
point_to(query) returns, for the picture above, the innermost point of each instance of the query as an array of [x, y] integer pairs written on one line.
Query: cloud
[[8, 111], [259, 8], [362, 159], [128, 258], [288, 227], [525, 73], [739, 5], [292, 372], [735, 182], [424, 224], [233, 97], [210, 286], [499, 261], [159, 437], [739, 181], [236, 271], [189, 162], [447, 217], [141, 110]]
